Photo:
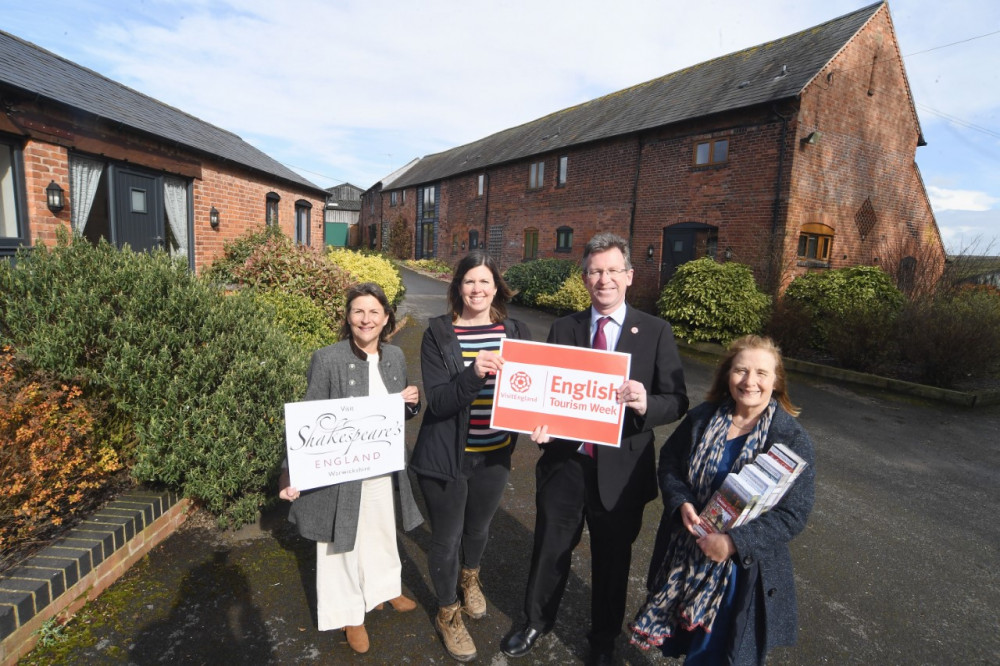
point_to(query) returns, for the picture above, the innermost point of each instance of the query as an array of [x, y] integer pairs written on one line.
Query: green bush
[[203, 377], [952, 336], [400, 243], [302, 320], [571, 297], [786, 327], [827, 297], [370, 267], [281, 264], [541, 276], [864, 338], [435, 266], [711, 302], [236, 252]]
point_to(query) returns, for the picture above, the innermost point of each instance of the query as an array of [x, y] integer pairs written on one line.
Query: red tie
[[600, 342]]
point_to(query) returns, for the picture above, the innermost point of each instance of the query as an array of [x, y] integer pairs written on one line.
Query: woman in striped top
[[462, 464]]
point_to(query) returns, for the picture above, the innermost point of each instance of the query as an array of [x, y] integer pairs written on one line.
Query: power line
[[961, 41]]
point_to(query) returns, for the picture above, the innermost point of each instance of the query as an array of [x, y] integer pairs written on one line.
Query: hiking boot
[[472, 592], [454, 635]]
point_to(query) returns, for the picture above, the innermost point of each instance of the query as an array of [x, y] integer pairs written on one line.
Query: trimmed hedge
[[710, 302], [572, 296]]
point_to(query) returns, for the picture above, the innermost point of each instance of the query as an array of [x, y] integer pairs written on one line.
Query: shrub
[[400, 238], [281, 264], [786, 326], [301, 320], [237, 251], [54, 459], [864, 338], [952, 336], [571, 297], [203, 377], [370, 267], [541, 276], [711, 302], [827, 297], [435, 266]]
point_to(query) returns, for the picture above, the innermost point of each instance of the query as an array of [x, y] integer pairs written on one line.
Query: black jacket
[[450, 388]]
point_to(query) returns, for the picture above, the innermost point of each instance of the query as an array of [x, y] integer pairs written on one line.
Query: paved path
[[898, 564]]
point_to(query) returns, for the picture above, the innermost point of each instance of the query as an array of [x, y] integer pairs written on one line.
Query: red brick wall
[[869, 134], [866, 151], [238, 194]]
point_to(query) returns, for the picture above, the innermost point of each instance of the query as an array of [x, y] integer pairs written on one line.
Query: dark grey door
[[678, 248], [138, 212]]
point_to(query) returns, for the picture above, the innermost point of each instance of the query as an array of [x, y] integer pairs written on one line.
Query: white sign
[[332, 441]]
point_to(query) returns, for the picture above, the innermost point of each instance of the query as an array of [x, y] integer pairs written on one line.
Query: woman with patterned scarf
[[727, 598]]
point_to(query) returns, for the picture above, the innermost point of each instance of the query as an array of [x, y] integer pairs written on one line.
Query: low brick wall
[[76, 569]]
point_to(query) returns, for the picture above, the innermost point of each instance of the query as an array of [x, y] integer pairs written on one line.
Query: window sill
[[813, 263]]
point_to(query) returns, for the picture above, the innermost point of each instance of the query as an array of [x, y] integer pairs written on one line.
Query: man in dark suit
[[608, 487]]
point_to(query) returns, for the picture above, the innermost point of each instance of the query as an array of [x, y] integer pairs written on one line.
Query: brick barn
[[792, 156], [80, 151]]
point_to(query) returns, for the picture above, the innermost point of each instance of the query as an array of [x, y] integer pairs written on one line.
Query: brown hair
[[719, 390], [368, 289], [498, 308]]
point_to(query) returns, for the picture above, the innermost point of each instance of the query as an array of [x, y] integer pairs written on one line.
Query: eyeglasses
[[596, 273]]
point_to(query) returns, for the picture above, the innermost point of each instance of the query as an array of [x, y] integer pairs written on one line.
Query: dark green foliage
[[711, 302], [864, 338], [827, 297], [952, 336], [788, 327], [400, 238], [202, 376], [541, 276]]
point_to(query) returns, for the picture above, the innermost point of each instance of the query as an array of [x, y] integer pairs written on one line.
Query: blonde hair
[[719, 390]]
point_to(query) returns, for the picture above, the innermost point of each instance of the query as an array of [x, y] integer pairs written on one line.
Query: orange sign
[[569, 389]]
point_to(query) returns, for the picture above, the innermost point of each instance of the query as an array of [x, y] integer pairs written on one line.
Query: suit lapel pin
[[634, 330]]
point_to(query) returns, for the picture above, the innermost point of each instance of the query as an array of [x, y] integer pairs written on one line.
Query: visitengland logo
[[520, 381]]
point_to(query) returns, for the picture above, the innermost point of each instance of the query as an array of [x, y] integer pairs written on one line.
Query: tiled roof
[[34, 70], [776, 70]]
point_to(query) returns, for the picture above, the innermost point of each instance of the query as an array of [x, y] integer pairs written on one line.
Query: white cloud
[[943, 199]]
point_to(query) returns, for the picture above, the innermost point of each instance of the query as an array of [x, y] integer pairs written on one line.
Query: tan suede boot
[[472, 592], [454, 635], [357, 638]]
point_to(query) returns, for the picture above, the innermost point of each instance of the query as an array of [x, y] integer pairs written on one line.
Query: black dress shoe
[[520, 642]]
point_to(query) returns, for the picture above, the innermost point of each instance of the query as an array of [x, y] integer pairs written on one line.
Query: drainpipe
[[486, 211], [774, 258], [635, 189]]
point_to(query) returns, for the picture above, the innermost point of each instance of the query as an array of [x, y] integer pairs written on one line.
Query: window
[[815, 242], [372, 236], [302, 215], [13, 225], [711, 152], [536, 175], [563, 167], [473, 239], [429, 202], [392, 198], [271, 212], [564, 239], [530, 244], [454, 243], [403, 197], [482, 184]]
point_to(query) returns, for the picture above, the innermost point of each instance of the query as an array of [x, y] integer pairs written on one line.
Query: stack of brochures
[[753, 490]]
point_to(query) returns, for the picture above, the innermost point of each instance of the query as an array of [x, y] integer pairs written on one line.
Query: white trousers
[[350, 584]]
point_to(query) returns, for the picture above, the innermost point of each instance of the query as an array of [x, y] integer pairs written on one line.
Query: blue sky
[[349, 90]]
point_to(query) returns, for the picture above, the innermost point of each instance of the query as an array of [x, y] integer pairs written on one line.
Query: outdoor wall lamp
[[55, 197], [463, 246], [649, 252], [812, 138], [728, 254], [213, 218]]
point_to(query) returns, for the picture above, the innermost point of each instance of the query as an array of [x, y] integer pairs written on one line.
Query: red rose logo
[[520, 381]]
